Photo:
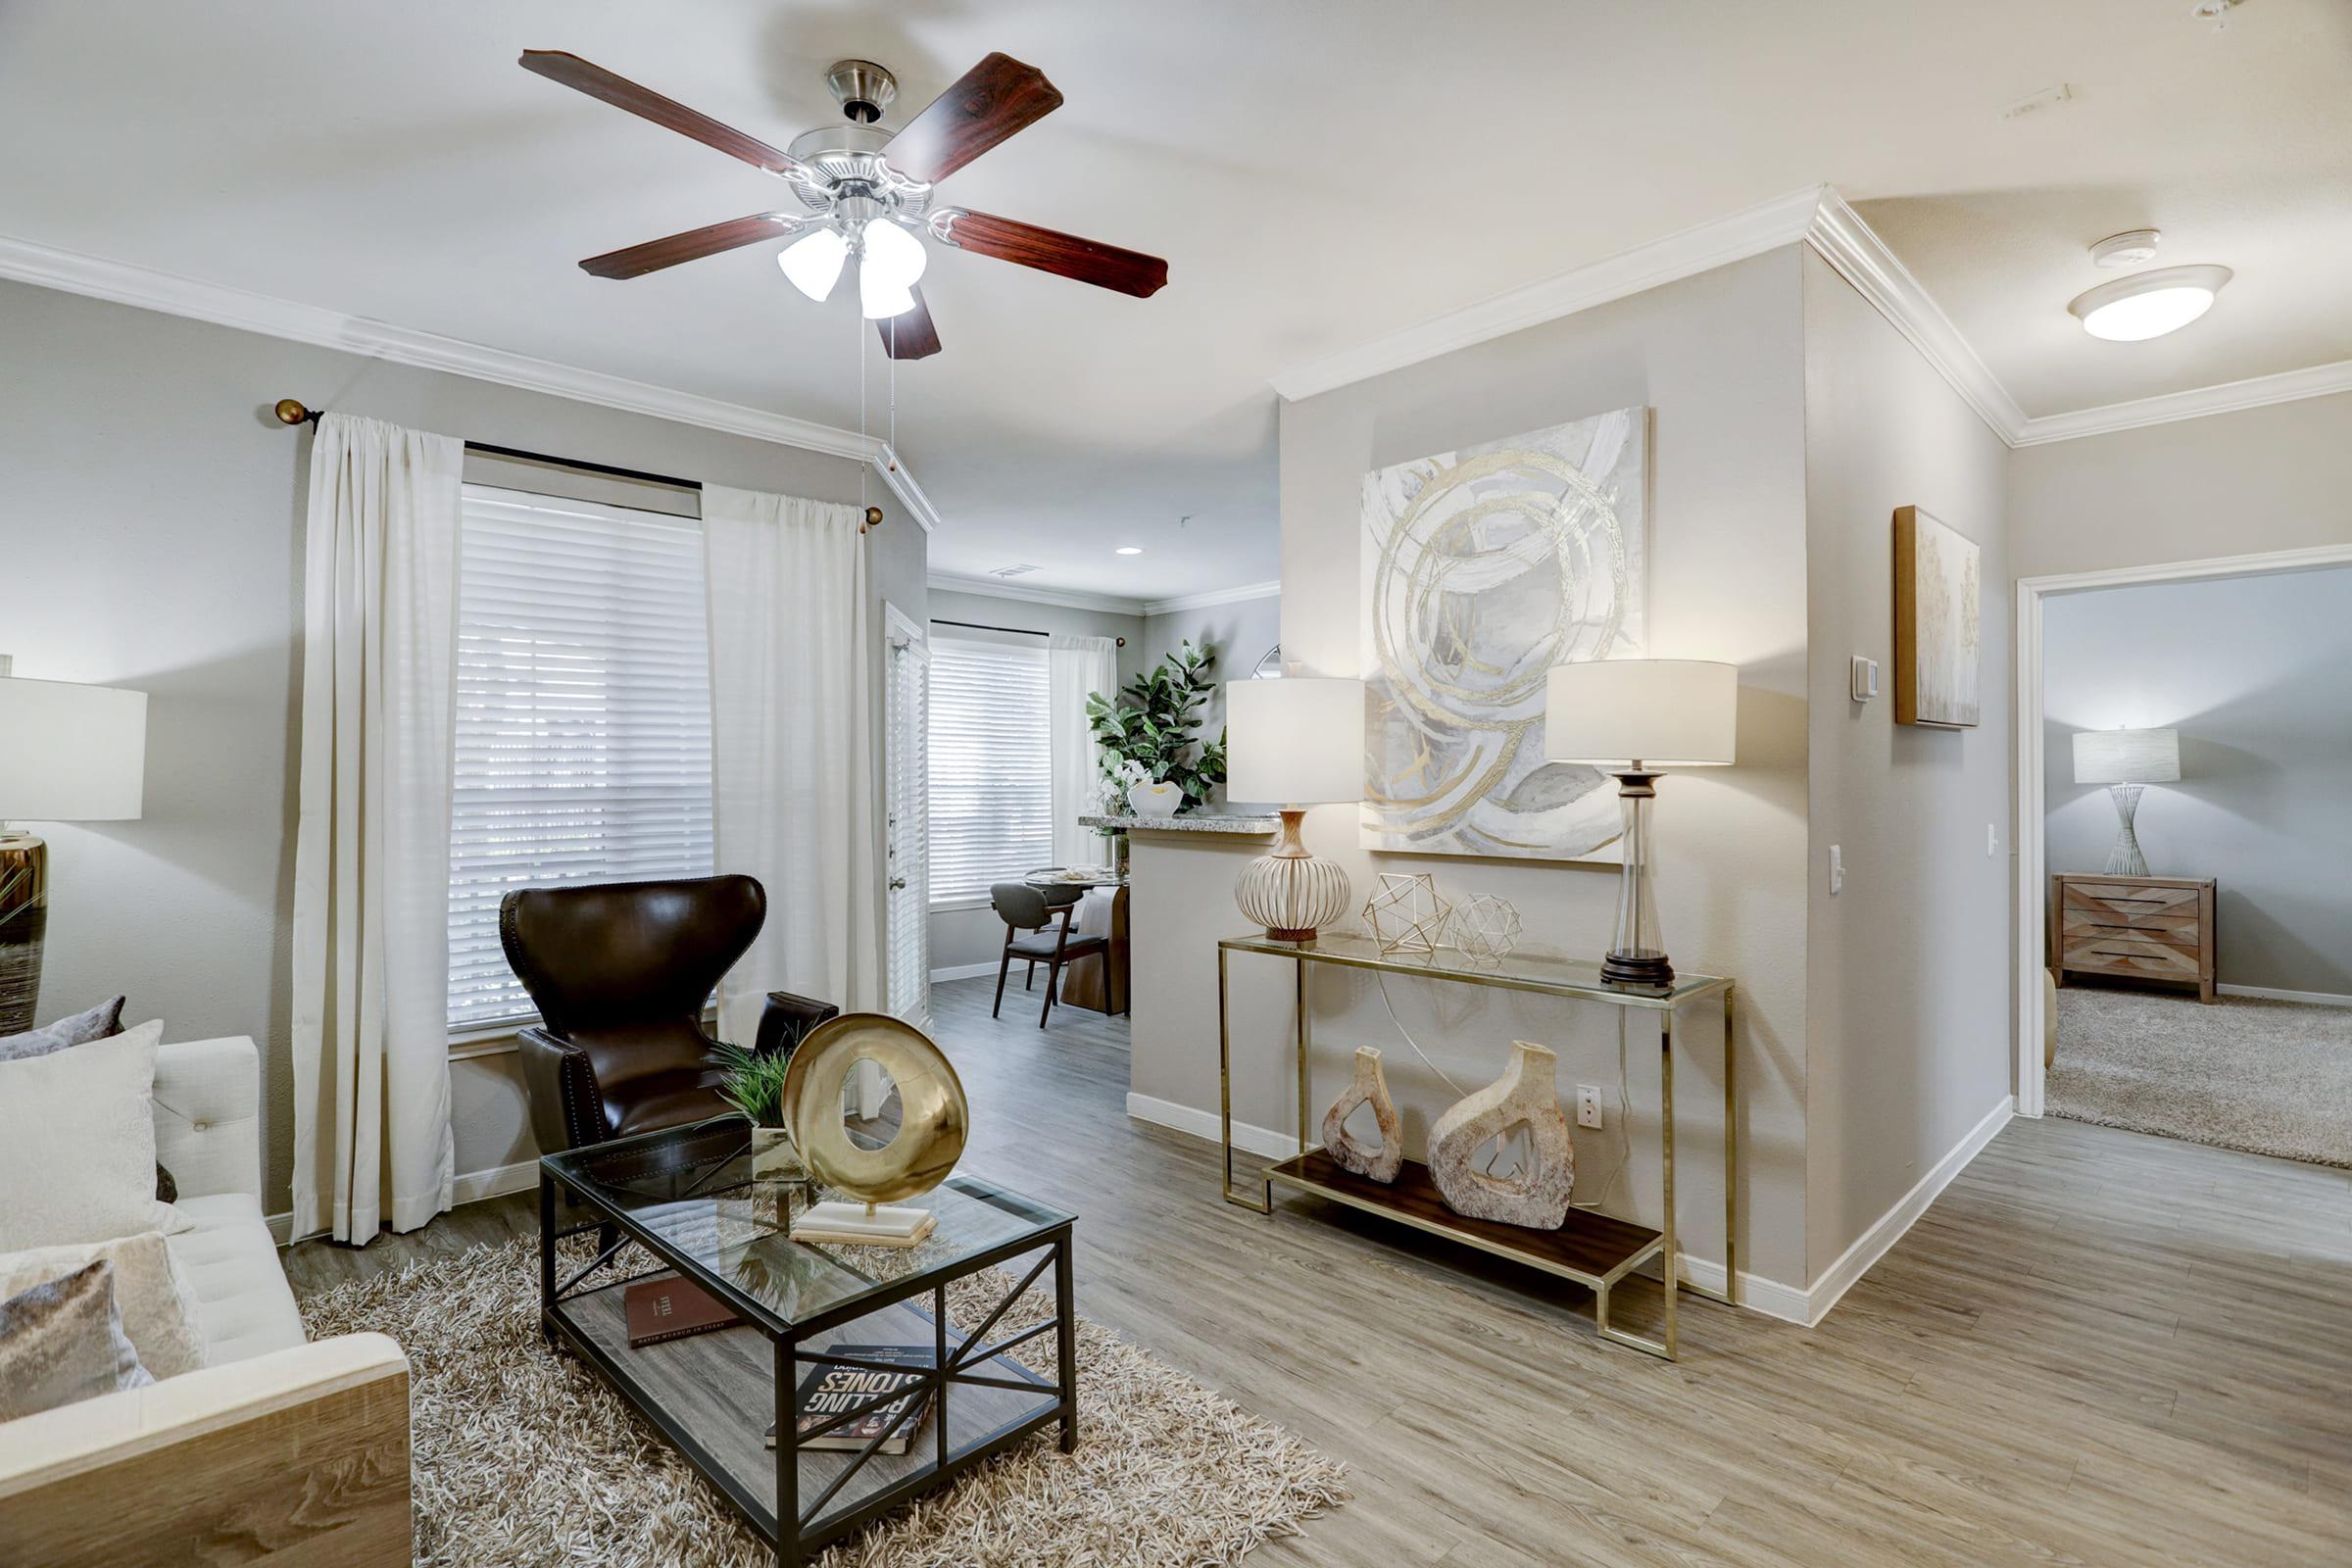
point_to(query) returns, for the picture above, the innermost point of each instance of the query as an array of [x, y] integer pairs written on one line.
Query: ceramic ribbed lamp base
[[1290, 891]]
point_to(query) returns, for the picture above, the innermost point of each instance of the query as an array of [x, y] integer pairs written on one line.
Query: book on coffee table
[[827, 1391], [670, 1308]]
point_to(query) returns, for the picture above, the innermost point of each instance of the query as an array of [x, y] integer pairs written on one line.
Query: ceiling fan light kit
[[868, 190]]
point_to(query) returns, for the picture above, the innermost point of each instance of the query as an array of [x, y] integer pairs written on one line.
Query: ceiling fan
[[868, 190]]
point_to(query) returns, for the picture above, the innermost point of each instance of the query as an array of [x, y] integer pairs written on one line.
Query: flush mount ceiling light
[[1128, 550], [2148, 305], [867, 190]]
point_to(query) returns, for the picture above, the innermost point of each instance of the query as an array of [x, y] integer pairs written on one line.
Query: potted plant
[[753, 1084], [1152, 756]]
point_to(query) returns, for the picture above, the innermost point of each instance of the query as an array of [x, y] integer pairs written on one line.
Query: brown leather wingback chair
[[620, 972]]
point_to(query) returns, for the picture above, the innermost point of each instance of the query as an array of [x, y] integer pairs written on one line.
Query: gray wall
[[1907, 969], [2256, 674], [966, 934], [1241, 633], [151, 519], [1720, 358], [2231, 484]]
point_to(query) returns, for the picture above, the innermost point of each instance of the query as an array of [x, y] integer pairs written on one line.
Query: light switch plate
[[1992, 840], [1837, 869], [1864, 680], [1588, 1105]]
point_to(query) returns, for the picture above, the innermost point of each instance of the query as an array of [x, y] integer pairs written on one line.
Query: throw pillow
[[94, 1023], [62, 1341], [151, 1294], [78, 1144]]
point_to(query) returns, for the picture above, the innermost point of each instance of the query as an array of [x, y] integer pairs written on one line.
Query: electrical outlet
[[1837, 869], [1588, 1105]]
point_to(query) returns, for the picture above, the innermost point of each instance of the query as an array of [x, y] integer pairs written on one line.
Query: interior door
[[908, 745]]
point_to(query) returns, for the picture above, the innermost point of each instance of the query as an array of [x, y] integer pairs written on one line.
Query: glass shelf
[[1519, 971]]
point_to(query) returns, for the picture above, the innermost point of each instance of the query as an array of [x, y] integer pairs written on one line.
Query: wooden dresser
[[2142, 927]]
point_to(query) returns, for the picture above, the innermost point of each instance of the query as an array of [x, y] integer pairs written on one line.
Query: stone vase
[[1524, 1095], [1369, 1087]]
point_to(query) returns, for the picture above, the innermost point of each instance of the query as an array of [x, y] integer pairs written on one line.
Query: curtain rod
[[1017, 631], [290, 412]]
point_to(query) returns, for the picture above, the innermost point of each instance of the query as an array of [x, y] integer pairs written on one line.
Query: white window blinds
[[583, 717], [992, 788], [909, 751]]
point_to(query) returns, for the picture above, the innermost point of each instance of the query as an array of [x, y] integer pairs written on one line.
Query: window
[[992, 804], [583, 717]]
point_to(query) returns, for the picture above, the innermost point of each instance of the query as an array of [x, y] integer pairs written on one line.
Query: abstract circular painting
[[1482, 569]]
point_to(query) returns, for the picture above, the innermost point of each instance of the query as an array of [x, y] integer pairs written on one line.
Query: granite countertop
[[1204, 822]]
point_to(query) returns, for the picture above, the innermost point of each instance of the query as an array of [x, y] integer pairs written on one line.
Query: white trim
[[2317, 998], [126, 283], [473, 1186], [1756, 1293], [962, 971], [2033, 815], [896, 619], [2287, 387], [1874, 1243], [1821, 218], [1067, 598], [1860, 256], [967, 900], [1765, 226], [1263, 1142], [1215, 596]]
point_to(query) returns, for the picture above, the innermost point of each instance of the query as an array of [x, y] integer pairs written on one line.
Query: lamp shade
[[70, 754], [1298, 740], [1660, 712], [2127, 757]]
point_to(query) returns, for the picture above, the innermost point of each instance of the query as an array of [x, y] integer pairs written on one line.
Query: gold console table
[[1590, 1249]]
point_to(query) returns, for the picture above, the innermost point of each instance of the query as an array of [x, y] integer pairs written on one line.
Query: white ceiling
[[1317, 175]]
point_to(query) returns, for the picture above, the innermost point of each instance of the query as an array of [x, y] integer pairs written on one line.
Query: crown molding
[[2287, 387], [1215, 596], [1064, 598], [1839, 236], [1765, 226], [126, 283]]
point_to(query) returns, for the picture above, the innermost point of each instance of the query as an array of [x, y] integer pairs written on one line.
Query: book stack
[[830, 1392]]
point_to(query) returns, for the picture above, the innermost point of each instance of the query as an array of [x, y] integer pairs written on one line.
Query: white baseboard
[[472, 1188], [1756, 1293], [1874, 1243], [2324, 998], [963, 971], [1263, 1142]]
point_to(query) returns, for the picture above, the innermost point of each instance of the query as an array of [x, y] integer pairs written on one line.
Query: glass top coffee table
[[688, 1197]]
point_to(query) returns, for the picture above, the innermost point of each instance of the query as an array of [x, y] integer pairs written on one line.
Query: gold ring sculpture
[[933, 1120]]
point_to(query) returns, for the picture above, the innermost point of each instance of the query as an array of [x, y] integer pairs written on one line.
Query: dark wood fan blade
[[693, 245], [990, 102], [621, 93], [910, 335], [1051, 251]]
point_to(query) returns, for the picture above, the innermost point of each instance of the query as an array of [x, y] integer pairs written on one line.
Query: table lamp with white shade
[[1299, 741], [2124, 760], [1635, 718], [67, 754]]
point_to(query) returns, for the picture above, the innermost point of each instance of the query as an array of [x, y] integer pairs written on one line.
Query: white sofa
[[276, 1449]]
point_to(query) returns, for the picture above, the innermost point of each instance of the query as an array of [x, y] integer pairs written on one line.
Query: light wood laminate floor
[[2098, 1347]]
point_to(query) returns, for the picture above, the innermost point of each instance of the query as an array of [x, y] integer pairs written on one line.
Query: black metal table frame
[[950, 1365]]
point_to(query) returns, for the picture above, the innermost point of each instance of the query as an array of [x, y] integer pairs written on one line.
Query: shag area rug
[[2245, 1072], [525, 1458]]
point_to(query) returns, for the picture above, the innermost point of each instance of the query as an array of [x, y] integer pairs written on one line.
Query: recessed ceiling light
[[1128, 550], [2148, 305]]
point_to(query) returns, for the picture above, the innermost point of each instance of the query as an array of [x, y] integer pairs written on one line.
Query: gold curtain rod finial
[[874, 519], [290, 412]]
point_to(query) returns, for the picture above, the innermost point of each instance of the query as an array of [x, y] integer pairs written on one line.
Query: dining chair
[[1044, 914]]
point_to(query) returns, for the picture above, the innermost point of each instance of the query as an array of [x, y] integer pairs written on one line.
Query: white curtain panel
[[791, 747], [371, 983], [1078, 666]]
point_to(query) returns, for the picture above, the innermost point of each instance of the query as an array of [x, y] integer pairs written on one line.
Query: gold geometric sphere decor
[[1290, 891], [934, 1117], [1406, 915]]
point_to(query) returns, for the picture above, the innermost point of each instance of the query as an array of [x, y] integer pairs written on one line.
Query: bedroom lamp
[[67, 754], [2124, 760], [1300, 741], [1635, 718]]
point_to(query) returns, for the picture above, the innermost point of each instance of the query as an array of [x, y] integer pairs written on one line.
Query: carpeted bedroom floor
[[2245, 1072]]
